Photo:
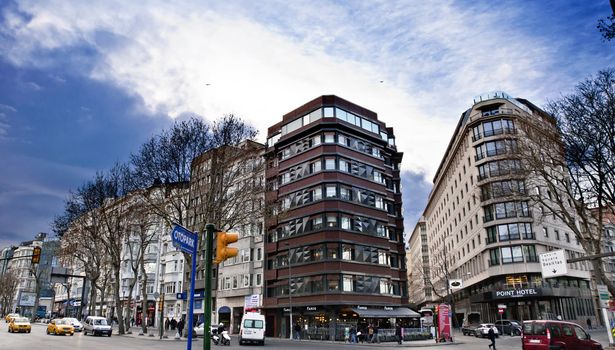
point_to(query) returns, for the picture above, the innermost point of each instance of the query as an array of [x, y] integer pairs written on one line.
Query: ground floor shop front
[[338, 323], [530, 303]]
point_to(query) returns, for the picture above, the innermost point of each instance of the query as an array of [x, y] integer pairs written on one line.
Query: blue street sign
[[180, 296], [184, 240]]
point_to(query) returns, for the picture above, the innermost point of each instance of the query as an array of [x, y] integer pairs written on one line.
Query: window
[[331, 221], [331, 191], [344, 165], [494, 257], [317, 194], [545, 231], [348, 284], [345, 193], [317, 223], [557, 235], [345, 223], [329, 137], [512, 254], [567, 235], [330, 163], [315, 166], [580, 333]]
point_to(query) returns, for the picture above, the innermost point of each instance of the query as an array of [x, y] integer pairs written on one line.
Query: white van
[[252, 328], [96, 325]]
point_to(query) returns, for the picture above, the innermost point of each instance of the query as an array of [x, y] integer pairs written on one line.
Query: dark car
[[509, 327], [548, 335]]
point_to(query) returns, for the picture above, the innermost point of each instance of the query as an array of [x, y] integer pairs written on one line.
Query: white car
[[483, 330], [75, 322], [199, 330]]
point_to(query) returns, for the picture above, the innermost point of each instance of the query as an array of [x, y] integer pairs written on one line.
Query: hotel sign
[[516, 293]]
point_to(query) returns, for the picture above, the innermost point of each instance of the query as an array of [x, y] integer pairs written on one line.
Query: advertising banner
[[444, 322], [27, 299]]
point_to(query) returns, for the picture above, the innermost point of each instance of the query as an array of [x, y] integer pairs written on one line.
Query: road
[[39, 340]]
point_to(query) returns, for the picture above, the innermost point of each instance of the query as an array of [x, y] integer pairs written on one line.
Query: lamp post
[[290, 294]]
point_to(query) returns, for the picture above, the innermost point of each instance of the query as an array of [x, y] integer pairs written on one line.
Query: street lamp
[[290, 294]]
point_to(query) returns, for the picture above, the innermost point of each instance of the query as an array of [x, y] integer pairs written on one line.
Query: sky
[[84, 83]]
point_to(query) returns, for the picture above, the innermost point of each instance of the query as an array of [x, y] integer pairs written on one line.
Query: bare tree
[[9, 281], [570, 162], [606, 26]]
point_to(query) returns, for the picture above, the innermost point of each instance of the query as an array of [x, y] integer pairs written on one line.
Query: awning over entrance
[[398, 312]]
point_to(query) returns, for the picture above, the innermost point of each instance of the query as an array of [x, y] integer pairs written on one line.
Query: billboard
[[27, 299]]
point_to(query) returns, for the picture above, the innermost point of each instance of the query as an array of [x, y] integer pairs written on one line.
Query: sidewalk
[[171, 337]]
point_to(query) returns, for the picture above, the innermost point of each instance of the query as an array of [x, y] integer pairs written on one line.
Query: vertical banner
[[444, 322]]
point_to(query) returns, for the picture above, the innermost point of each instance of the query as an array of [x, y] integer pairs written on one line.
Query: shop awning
[[398, 312]]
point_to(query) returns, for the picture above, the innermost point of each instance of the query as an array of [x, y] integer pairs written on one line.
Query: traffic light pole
[[210, 230]]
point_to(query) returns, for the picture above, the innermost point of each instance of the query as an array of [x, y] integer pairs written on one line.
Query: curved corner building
[[483, 230], [333, 190]]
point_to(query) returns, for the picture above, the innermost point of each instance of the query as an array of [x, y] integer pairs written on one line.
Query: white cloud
[[262, 61]]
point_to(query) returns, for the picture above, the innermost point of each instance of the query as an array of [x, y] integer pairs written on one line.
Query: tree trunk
[[144, 295], [118, 306]]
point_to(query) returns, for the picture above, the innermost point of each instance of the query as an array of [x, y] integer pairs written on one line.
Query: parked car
[[482, 331], [60, 326], [200, 329], [19, 324], [252, 328], [548, 334], [9, 317], [508, 327], [470, 323], [96, 325], [75, 322]]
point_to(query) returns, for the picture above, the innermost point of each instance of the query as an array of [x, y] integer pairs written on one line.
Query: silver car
[[75, 322]]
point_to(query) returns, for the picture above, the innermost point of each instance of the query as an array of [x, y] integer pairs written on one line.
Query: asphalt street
[[39, 340]]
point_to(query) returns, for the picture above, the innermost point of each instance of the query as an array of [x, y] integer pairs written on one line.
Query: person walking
[[589, 323], [353, 334], [370, 333], [491, 337], [180, 327], [398, 333], [297, 331], [173, 324], [167, 324]]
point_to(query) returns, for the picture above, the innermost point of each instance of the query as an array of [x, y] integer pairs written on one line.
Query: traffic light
[[36, 255], [223, 252]]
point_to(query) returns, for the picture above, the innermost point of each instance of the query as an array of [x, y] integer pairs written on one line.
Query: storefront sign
[[359, 307], [310, 308], [389, 308], [516, 293], [286, 309], [251, 301]]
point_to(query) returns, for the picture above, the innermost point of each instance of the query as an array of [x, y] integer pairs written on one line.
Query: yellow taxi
[[60, 326], [20, 324], [9, 317]]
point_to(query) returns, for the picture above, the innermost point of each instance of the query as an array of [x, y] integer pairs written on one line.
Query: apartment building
[[420, 291], [334, 253], [226, 189], [482, 228]]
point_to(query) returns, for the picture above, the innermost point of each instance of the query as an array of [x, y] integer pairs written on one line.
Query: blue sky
[[83, 84]]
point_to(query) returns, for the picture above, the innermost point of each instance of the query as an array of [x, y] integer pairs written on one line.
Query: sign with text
[[27, 299], [516, 293], [251, 301], [444, 322], [184, 240], [603, 295], [553, 263]]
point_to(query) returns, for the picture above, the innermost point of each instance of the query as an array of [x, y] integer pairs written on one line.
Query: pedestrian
[[370, 333], [173, 324], [297, 331], [398, 333], [491, 337], [375, 337], [353, 334], [180, 326], [132, 321], [167, 324], [589, 323]]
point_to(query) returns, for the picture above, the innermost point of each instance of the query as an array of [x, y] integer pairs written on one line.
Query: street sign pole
[[192, 275], [187, 241], [210, 229]]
